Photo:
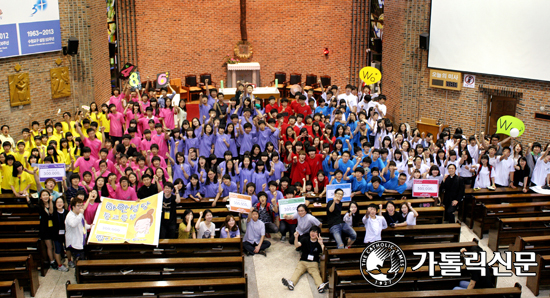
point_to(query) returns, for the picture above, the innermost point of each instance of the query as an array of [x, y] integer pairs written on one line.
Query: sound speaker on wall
[[72, 47], [424, 41]]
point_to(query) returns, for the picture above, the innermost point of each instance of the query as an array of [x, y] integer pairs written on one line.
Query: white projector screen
[[498, 37]]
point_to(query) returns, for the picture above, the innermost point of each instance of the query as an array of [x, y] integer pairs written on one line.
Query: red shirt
[[304, 110], [299, 172], [288, 110], [315, 164], [322, 185], [269, 107], [286, 125]]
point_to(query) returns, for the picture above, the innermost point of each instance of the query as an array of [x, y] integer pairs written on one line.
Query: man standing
[[351, 100], [5, 136], [453, 191], [504, 169], [254, 240], [309, 261], [335, 222]]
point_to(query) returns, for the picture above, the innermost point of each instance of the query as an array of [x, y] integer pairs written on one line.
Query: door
[[499, 106]]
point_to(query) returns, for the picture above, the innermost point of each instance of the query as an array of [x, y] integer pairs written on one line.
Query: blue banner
[[346, 187]]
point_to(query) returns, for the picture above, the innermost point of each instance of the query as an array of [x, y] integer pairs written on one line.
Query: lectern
[[427, 125]]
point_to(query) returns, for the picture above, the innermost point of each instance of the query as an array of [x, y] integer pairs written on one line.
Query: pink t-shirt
[[84, 165], [143, 124], [126, 195], [110, 165], [89, 213], [146, 144], [95, 145], [117, 122], [168, 116], [98, 174], [117, 101], [161, 141], [90, 185]]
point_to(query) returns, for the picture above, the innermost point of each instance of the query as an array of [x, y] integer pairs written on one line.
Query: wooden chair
[[281, 78], [181, 90], [11, 289], [203, 78], [295, 78], [23, 269], [325, 81], [311, 82], [509, 228], [192, 86]]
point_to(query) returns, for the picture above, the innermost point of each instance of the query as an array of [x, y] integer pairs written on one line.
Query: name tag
[[50, 223], [520, 183], [61, 232], [310, 257], [166, 215]]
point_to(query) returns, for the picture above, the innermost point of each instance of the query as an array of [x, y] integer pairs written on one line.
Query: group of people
[[141, 143]]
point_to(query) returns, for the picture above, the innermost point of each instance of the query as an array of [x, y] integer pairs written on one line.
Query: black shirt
[[396, 218], [482, 282], [310, 248], [169, 206], [147, 191], [59, 224], [453, 189], [334, 217]]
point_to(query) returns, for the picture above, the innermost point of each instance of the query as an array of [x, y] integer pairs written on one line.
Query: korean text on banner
[[425, 188], [240, 203], [119, 221], [51, 170], [289, 206], [346, 187]]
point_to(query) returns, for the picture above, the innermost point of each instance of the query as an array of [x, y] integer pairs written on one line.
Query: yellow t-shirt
[[103, 121], [7, 172], [182, 234], [21, 182], [22, 158]]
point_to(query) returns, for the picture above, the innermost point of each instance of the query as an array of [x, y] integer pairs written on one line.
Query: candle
[[276, 83], [221, 82]]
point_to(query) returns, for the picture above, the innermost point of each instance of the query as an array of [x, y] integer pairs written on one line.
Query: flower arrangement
[[229, 60]]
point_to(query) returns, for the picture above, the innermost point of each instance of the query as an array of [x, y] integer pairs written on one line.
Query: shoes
[[267, 235], [54, 265], [262, 252], [71, 264], [322, 287], [62, 268], [283, 238], [288, 283]]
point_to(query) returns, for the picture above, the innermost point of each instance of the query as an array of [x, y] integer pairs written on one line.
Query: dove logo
[[383, 264]]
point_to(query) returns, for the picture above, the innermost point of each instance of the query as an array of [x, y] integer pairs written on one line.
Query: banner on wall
[[118, 221], [29, 27]]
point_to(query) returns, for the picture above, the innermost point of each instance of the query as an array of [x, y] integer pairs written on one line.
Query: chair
[[192, 86], [203, 78], [311, 81], [325, 81], [182, 91], [295, 78], [281, 78]]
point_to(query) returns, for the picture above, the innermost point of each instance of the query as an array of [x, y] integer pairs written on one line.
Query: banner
[[425, 188], [163, 79], [346, 187], [130, 222], [29, 27], [51, 170], [288, 206], [240, 203]]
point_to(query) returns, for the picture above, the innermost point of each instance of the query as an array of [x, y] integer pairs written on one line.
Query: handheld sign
[[127, 70], [289, 206], [162, 79], [511, 126], [240, 203], [370, 75], [52, 170], [425, 188], [345, 187], [135, 80]]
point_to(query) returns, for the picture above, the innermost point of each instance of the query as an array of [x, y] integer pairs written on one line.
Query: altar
[[244, 72]]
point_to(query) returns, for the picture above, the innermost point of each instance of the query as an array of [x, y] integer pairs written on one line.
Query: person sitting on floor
[[254, 240]]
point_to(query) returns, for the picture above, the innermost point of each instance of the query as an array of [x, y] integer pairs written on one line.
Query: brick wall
[[192, 37], [89, 69], [405, 81]]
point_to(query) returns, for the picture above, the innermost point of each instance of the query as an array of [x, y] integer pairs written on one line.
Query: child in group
[[59, 216], [47, 233], [206, 229], [75, 231], [229, 228], [186, 228]]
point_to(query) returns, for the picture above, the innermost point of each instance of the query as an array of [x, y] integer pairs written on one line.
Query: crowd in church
[[141, 143]]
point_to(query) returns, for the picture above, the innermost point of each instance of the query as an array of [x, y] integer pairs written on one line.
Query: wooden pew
[[220, 287], [14, 229], [472, 205], [15, 212], [23, 269], [11, 289], [419, 234], [509, 228], [156, 269], [427, 215], [24, 247], [349, 258], [11, 199], [542, 277], [351, 280], [512, 292], [168, 248], [365, 204], [537, 244], [491, 212]]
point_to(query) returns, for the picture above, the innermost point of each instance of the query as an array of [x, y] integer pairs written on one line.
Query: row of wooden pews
[[511, 292]]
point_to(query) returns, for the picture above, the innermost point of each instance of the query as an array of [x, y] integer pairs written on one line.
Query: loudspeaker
[[72, 47], [424, 41], [377, 45]]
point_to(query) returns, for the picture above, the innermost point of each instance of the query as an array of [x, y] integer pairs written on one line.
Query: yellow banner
[[131, 222]]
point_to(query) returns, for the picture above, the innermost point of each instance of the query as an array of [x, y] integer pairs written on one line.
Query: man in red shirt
[[286, 108], [272, 105], [315, 161], [300, 168], [291, 123], [302, 107]]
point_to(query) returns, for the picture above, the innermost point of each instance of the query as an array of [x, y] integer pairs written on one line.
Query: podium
[[427, 125]]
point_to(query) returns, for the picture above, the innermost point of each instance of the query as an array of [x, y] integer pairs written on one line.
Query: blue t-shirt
[[379, 191], [393, 184], [344, 166], [358, 185]]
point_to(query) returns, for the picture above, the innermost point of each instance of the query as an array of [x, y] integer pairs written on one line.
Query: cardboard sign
[[127, 70], [370, 75], [289, 206], [52, 170], [240, 203], [163, 79], [511, 126], [135, 80], [425, 188], [345, 187]]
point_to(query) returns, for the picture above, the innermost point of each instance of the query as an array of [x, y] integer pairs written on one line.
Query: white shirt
[[463, 172], [381, 109], [410, 219], [75, 230], [503, 168], [474, 152], [351, 100], [482, 179], [373, 228], [540, 172]]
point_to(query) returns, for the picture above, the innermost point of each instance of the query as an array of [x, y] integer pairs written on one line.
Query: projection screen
[[497, 37]]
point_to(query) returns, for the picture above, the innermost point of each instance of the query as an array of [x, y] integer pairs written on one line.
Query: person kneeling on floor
[[254, 240], [309, 261]]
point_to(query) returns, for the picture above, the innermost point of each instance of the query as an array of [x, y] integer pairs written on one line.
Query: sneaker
[[288, 283], [263, 253], [322, 287], [283, 238], [71, 264], [54, 265], [267, 235], [62, 268]]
